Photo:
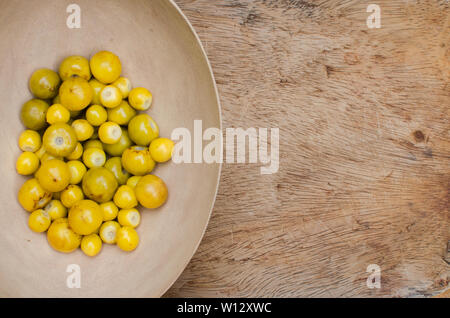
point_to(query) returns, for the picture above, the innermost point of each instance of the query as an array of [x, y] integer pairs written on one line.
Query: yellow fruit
[[109, 133], [142, 129], [73, 66], [57, 113], [99, 184], [39, 221], [117, 149], [85, 217], [27, 163], [93, 143], [32, 196], [140, 98], [110, 96], [96, 115], [114, 165], [91, 245], [137, 161], [75, 93], [59, 140], [97, 88], [108, 232], [109, 211], [77, 171], [46, 157], [129, 217], [124, 85], [30, 140], [44, 83], [61, 237], [33, 114], [121, 114], [161, 149], [76, 154], [125, 197], [71, 195], [127, 239], [53, 175], [82, 129], [106, 67], [41, 152], [151, 192], [56, 210], [56, 100], [94, 157], [133, 181]]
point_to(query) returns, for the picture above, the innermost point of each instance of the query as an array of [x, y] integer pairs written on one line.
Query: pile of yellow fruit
[[90, 154]]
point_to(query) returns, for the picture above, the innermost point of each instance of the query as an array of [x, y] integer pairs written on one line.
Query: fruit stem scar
[[59, 141]]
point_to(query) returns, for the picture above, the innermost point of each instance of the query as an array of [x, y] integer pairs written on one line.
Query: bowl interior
[[159, 51]]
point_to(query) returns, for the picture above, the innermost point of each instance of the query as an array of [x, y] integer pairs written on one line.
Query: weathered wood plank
[[364, 149]]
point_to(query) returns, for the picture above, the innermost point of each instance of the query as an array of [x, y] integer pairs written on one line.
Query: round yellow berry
[[127, 238], [133, 181], [109, 133], [33, 114], [73, 66], [99, 184], [161, 149], [61, 237], [114, 165], [109, 211], [91, 244], [39, 221], [137, 161], [94, 157], [151, 192], [27, 163], [57, 113], [142, 129], [125, 197], [77, 171], [46, 157], [71, 195], [32, 195], [110, 96], [82, 129], [44, 83], [96, 88], [76, 154], [108, 232], [124, 85], [121, 114], [85, 217], [129, 217], [117, 149], [106, 67], [96, 115], [140, 98], [75, 93], [53, 175], [59, 140], [93, 143], [30, 140], [56, 210]]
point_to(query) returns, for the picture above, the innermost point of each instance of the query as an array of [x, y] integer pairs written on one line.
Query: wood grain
[[364, 149]]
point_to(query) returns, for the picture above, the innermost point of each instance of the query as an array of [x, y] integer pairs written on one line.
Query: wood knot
[[419, 136]]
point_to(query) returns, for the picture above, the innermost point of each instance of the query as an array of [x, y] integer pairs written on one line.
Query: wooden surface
[[364, 149]]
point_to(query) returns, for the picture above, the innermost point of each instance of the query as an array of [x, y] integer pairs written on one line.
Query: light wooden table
[[364, 149]]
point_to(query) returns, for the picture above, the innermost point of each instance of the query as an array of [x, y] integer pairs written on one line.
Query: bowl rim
[[216, 92]]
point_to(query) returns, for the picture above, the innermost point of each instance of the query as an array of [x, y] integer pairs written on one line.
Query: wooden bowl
[[159, 50]]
